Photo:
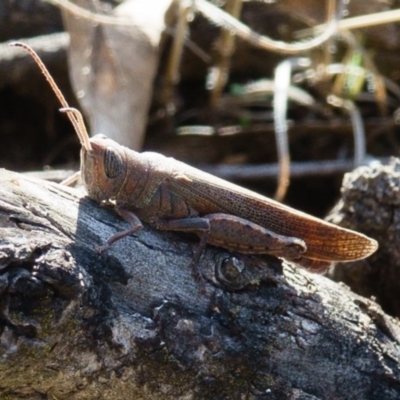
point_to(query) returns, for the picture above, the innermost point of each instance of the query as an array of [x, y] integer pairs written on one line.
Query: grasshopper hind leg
[[235, 234], [238, 234]]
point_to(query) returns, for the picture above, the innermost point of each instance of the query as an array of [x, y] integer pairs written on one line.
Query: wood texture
[[371, 203], [132, 323]]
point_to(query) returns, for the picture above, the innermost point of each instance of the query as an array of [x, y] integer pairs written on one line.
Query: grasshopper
[[170, 195]]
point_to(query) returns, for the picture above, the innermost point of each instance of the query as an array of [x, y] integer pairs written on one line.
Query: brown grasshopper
[[170, 195]]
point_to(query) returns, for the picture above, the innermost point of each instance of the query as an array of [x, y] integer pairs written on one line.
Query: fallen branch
[[133, 323]]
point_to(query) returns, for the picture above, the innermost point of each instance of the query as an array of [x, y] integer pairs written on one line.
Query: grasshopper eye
[[113, 164]]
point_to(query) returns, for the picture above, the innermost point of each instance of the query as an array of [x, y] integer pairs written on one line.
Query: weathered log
[[371, 202], [133, 323]]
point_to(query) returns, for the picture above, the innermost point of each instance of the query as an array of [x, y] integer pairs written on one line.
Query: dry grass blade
[[220, 17]]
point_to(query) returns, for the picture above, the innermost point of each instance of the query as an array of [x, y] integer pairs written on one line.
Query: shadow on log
[[132, 322]]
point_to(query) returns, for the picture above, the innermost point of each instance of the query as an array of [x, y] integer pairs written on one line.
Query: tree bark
[[371, 203], [133, 323]]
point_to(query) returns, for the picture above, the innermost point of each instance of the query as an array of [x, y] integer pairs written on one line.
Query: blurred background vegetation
[[247, 97]]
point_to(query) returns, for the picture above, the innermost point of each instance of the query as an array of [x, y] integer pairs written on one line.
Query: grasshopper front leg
[[135, 226], [236, 234]]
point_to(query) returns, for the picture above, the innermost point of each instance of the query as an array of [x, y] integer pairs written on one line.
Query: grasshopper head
[[103, 168], [102, 159]]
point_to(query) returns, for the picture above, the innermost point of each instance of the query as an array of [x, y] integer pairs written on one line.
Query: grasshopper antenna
[[73, 114]]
